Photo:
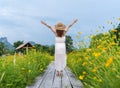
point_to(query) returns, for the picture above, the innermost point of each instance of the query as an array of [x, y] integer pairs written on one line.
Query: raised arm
[[74, 21], [49, 27]]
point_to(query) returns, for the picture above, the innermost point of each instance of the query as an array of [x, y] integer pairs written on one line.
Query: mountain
[[5, 41], [32, 43]]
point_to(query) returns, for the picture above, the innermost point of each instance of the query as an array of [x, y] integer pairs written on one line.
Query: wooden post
[[27, 50]]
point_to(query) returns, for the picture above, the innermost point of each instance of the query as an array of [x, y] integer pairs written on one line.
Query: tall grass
[[20, 70], [98, 66]]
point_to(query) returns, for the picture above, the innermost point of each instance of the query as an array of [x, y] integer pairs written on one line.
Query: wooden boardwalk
[[50, 80]]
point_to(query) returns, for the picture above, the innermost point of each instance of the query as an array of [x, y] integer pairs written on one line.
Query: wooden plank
[[56, 82], [75, 83], [48, 79], [65, 81], [40, 78]]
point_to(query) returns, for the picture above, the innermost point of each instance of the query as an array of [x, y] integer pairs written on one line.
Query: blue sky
[[20, 19]]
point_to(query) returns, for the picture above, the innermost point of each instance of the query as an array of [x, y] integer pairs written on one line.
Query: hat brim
[[60, 28]]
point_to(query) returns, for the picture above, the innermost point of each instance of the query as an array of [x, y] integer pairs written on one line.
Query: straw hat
[[60, 26]]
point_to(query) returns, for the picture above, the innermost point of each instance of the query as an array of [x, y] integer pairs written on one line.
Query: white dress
[[60, 53]]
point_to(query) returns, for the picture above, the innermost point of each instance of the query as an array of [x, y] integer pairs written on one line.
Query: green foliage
[[97, 66], [117, 33], [44, 48], [94, 40], [49, 49], [3, 49], [69, 44], [52, 49], [2, 46], [18, 71], [37, 47], [16, 44]]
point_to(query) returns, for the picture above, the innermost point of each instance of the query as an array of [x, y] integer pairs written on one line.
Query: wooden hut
[[25, 46]]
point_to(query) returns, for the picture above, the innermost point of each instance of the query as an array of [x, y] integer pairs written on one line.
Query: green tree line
[[38, 47]]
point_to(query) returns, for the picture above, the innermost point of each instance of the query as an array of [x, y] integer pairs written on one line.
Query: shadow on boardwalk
[[50, 80]]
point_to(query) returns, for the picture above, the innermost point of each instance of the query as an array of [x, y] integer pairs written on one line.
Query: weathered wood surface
[[50, 80]]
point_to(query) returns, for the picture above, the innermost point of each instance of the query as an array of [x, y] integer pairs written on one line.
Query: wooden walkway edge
[[50, 80]]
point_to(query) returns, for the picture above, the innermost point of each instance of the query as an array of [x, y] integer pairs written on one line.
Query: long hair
[[60, 33]]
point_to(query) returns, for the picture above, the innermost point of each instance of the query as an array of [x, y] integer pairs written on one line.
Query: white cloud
[[22, 17], [6, 12], [1, 34]]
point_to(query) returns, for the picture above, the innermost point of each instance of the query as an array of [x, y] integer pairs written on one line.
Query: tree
[[3, 49], [52, 49], [117, 33], [16, 44], [37, 47], [69, 44]]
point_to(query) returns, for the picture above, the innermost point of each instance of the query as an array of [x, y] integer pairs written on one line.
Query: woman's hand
[[47, 25], [75, 20], [43, 22]]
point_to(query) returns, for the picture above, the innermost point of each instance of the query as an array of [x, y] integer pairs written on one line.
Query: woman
[[60, 31]]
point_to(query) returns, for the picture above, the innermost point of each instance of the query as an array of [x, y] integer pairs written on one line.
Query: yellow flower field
[[19, 71], [99, 65]]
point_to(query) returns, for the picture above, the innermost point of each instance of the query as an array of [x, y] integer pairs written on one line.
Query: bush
[[97, 66], [20, 70]]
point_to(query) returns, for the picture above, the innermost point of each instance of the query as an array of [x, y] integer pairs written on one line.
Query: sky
[[20, 19]]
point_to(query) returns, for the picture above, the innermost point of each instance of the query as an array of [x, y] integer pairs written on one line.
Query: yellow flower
[[112, 43], [104, 48], [88, 50], [95, 78], [81, 77], [41, 69], [109, 22], [79, 32], [86, 57], [92, 36], [113, 69], [77, 36], [98, 46], [94, 70], [84, 73], [96, 54], [29, 71], [119, 18], [23, 68], [84, 63], [109, 62], [106, 33], [114, 30], [114, 36], [79, 60], [29, 63], [100, 80], [118, 52], [96, 30]]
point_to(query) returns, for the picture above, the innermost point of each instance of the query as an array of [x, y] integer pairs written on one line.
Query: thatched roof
[[25, 45]]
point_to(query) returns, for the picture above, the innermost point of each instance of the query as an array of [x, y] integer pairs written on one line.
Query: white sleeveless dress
[[60, 53]]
